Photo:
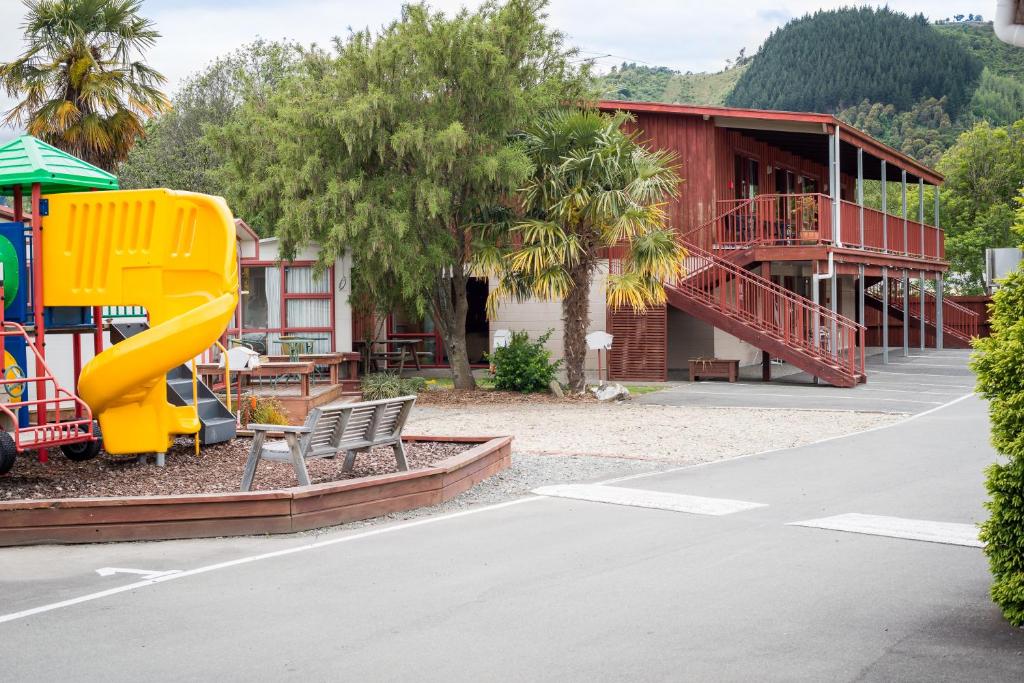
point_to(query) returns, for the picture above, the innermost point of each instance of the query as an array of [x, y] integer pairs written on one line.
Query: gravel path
[[676, 434]]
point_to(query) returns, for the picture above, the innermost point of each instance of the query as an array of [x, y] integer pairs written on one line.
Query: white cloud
[[688, 35]]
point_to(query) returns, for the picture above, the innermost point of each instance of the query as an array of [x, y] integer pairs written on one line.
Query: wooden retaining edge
[[203, 515]]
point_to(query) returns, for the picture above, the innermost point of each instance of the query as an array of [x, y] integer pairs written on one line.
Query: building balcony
[[777, 220]]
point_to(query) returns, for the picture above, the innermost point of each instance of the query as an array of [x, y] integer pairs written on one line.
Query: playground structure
[[172, 253]]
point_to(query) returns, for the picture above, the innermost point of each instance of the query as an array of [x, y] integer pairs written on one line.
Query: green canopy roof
[[28, 160]]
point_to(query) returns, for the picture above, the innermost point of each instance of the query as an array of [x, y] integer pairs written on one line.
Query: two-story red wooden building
[[786, 261]]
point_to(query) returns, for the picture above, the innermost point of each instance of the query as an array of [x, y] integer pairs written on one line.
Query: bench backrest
[[356, 425]]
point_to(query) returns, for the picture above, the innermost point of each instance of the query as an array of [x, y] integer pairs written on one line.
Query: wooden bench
[[350, 427], [714, 367]]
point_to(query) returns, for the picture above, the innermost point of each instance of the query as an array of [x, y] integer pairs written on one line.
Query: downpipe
[[1005, 26], [815, 279]]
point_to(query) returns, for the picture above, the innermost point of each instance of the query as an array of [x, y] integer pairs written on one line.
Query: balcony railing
[[806, 219]]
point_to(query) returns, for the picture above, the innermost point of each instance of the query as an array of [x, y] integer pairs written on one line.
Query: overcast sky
[[689, 35]]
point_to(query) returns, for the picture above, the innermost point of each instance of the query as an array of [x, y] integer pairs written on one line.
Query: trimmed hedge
[[999, 364]]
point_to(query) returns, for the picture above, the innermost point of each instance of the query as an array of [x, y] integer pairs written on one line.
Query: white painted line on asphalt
[[148, 573], [949, 533], [655, 500], [163, 578], [909, 418], [911, 374]]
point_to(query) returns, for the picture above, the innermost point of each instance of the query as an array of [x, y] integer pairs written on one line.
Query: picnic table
[[405, 350]]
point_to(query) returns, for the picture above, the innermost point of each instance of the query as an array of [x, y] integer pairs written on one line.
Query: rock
[[556, 388], [611, 392]]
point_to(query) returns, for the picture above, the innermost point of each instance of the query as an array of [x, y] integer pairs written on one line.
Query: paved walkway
[[913, 384], [556, 588]]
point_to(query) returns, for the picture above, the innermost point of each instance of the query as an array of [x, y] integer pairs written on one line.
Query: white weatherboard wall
[[537, 317], [269, 251]]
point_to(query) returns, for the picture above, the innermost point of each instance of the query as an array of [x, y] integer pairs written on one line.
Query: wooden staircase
[[959, 324], [770, 317]]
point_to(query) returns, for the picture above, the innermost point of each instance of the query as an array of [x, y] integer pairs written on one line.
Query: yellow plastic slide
[[173, 253]]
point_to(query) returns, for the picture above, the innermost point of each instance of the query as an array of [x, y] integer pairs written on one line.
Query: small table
[[293, 347], [714, 367]]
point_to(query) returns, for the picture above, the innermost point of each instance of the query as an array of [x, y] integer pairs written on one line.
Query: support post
[[834, 307], [97, 333], [906, 311], [938, 311], [860, 295], [766, 367], [835, 188], [76, 352], [885, 209], [860, 191], [906, 245], [885, 315], [921, 312], [920, 211], [37, 308], [938, 231]]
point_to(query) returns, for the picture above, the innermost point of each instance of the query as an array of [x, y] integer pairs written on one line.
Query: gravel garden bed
[[218, 469], [675, 434]]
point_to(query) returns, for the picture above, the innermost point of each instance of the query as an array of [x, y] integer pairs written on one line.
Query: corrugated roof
[[27, 160]]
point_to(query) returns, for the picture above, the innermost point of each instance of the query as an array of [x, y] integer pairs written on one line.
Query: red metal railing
[[957, 320], [775, 219], [805, 219], [771, 309], [53, 430]]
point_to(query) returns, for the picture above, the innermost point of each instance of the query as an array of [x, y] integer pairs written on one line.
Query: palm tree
[[595, 190], [82, 82]]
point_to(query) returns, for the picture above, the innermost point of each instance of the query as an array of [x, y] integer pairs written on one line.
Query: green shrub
[[380, 385], [262, 410], [524, 365], [999, 364]]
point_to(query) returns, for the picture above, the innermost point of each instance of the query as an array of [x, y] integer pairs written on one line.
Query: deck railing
[[806, 219]]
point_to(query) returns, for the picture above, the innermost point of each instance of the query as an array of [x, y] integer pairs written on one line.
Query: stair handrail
[[826, 317], [972, 320]]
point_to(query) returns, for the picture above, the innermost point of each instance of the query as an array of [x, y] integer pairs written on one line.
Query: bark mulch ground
[[483, 397], [218, 469]]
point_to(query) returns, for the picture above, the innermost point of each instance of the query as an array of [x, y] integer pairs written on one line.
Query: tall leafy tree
[[176, 151], [395, 146], [82, 83], [594, 190], [984, 172]]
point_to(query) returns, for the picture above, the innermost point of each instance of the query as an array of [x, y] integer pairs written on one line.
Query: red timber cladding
[[639, 347], [733, 142], [693, 141]]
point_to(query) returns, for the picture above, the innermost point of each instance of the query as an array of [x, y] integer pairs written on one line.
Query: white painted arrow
[[147, 573]]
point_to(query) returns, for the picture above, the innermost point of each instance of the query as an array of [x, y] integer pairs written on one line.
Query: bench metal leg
[[350, 461], [400, 456], [253, 460], [298, 462]]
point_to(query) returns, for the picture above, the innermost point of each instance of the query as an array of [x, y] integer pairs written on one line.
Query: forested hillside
[[833, 59]]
